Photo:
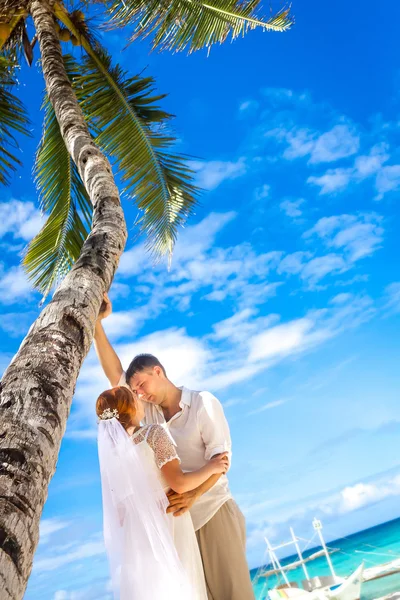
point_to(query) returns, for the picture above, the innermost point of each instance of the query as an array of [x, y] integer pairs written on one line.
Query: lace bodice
[[159, 441]]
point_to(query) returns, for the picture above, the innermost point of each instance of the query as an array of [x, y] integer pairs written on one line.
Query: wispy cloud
[[334, 180], [50, 526], [262, 192], [358, 235], [248, 106], [291, 208], [392, 298], [209, 175], [60, 558], [20, 219], [14, 285], [386, 178], [268, 406]]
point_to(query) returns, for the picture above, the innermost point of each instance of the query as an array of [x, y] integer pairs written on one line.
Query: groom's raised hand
[[105, 308]]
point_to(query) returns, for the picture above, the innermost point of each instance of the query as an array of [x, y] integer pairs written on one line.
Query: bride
[[151, 554]]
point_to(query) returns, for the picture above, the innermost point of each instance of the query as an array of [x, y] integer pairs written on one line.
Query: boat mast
[[295, 540], [318, 528], [275, 561]]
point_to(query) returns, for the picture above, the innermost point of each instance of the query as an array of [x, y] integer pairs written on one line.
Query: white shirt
[[200, 430]]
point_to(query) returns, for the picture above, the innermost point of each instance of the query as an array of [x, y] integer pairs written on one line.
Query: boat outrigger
[[330, 587]]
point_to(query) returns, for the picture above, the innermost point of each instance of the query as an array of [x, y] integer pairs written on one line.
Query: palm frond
[[193, 24], [130, 129], [13, 119], [63, 197], [12, 23]]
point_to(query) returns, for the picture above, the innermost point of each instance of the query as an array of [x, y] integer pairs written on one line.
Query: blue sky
[[284, 294]]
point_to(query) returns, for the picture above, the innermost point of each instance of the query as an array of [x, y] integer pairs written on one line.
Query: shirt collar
[[186, 398]]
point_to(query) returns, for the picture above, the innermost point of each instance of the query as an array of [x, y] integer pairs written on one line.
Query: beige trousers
[[222, 543]]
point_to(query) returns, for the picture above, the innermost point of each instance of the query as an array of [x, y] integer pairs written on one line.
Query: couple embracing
[[171, 527]]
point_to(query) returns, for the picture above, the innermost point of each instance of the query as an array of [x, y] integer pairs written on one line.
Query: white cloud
[[226, 377], [133, 261], [294, 263], [392, 297], [120, 290], [363, 494], [50, 526], [279, 340], [387, 180], [57, 561], [284, 97], [316, 327], [358, 235], [262, 192], [340, 142], [199, 238], [209, 175], [16, 324], [126, 323], [248, 106], [241, 326], [268, 406], [317, 268], [198, 266], [353, 237], [20, 219], [193, 242], [14, 286], [300, 142], [369, 165], [98, 590], [292, 207], [341, 298], [333, 180]]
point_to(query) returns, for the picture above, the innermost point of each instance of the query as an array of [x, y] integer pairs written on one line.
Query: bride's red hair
[[120, 398]]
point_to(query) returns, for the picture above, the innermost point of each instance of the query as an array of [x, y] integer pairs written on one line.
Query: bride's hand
[[219, 464]]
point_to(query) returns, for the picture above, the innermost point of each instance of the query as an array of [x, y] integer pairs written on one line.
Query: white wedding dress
[[158, 449]]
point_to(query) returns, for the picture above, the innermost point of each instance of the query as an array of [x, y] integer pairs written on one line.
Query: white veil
[[143, 560]]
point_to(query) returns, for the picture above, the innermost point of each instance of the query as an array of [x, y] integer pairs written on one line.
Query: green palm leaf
[[63, 197], [193, 24], [13, 119], [130, 128]]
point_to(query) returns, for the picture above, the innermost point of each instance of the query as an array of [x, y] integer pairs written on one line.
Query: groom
[[197, 424]]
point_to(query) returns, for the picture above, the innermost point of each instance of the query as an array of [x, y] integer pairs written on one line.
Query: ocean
[[374, 546]]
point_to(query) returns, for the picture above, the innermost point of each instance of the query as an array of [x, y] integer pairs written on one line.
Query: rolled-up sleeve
[[122, 381], [213, 426]]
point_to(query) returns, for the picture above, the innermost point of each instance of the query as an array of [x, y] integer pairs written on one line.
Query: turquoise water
[[375, 546]]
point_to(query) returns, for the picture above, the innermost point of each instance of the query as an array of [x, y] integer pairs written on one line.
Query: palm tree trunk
[[37, 388]]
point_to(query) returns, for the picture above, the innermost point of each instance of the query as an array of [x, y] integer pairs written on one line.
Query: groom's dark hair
[[142, 362]]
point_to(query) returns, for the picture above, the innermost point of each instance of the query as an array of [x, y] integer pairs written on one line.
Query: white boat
[[383, 570], [341, 589], [330, 587]]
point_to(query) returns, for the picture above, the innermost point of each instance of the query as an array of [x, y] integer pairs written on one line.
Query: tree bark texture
[[37, 387]]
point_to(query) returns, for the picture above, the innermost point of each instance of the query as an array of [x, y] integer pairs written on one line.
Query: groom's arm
[[106, 354], [181, 503], [215, 434]]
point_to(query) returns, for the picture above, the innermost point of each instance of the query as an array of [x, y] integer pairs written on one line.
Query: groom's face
[[149, 384]]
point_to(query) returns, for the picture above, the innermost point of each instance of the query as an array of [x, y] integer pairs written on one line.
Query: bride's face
[[139, 408]]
